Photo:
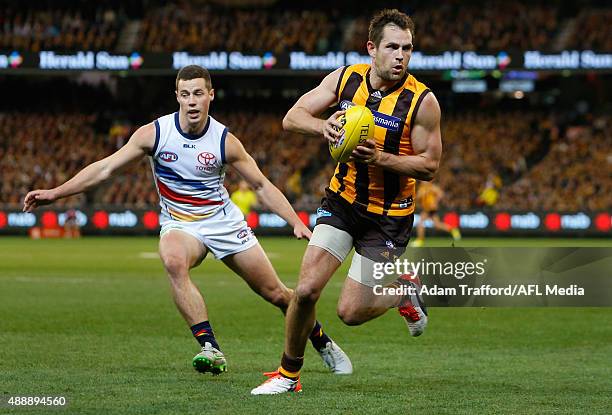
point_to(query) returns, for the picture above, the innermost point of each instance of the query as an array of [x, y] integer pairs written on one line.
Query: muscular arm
[[303, 116], [426, 143], [267, 193], [141, 143]]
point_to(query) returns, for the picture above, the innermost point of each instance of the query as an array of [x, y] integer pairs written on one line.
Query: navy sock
[[203, 333], [290, 367], [318, 338]]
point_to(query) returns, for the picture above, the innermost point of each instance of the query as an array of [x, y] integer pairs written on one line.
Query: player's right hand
[[332, 128], [37, 198]]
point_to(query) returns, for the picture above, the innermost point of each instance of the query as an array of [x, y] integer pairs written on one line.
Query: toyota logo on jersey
[[207, 159]]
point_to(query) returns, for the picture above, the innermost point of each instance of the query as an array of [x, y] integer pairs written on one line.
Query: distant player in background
[[71, 225], [428, 197], [369, 203], [244, 198], [190, 152]]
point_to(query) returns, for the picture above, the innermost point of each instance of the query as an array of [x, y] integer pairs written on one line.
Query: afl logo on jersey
[[168, 156], [207, 159]]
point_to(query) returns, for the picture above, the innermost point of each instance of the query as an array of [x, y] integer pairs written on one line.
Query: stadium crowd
[[52, 149], [455, 25], [577, 170], [61, 26], [532, 160], [592, 30], [197, 28], [314, 27]]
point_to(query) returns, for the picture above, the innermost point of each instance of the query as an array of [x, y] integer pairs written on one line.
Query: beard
[[388, 75]]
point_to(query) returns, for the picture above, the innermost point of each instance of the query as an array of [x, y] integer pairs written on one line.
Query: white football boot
[[335, 359], [413, 308], [276, 384]]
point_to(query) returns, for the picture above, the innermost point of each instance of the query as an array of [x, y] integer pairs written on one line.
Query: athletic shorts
[[376, 238], [224, 233]]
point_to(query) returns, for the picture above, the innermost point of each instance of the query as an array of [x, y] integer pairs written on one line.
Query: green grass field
[[93, 320]]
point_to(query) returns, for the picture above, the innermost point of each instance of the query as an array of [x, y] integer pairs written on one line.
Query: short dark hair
[[193, 72], [385, 17]]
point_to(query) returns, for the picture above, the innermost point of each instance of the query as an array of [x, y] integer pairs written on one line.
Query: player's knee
[[278, 297], [350, 315], [176, 265], [307, 293]]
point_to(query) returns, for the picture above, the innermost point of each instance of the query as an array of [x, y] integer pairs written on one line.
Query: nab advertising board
[[477, 223]]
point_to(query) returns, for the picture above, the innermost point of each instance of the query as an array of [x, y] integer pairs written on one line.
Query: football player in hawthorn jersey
[[369, 203], [428, 197], [190, 151]]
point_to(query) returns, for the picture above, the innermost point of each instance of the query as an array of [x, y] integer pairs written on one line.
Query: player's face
[[392, 55], [194, 99]]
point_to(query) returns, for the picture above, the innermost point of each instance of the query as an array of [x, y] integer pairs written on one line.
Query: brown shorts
[[377, 237]]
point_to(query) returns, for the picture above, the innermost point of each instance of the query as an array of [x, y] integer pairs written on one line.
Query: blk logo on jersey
[[168, 156], [207, 159]]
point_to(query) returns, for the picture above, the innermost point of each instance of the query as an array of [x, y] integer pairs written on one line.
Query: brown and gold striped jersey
[[373, 188], [428, 196]]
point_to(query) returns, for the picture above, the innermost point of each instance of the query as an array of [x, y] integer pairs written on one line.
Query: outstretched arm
[[426, 143], [141, 143], [267, 193]]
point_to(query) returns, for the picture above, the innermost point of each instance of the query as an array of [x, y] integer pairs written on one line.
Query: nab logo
[[207, 159], [188, 145], [168, 156]]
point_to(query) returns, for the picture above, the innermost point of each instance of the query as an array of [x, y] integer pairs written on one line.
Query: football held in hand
[[358, 126]]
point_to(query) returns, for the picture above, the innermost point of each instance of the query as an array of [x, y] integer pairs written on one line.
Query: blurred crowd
[[487, 150], [79, 26], [202, 28], [454, 25], [314, 27], [513, 160], [592, 30], [41, 151], [575, 174]]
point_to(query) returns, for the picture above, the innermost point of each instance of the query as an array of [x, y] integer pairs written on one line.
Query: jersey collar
[[389, 91], [187, 135]]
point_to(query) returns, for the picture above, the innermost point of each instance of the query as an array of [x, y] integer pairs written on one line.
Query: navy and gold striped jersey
[[377, 190]]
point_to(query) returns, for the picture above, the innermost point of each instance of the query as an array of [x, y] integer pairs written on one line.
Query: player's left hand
[[36, 198], [301, 231], [366, 153]]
